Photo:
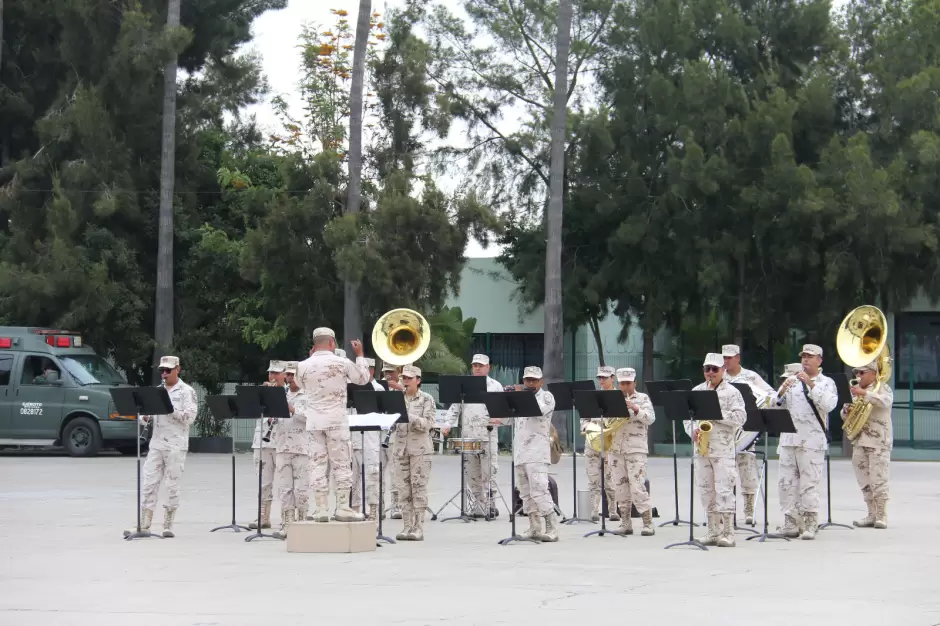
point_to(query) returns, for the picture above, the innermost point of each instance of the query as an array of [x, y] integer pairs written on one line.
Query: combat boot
[[343, 512], [407, 514], [626, 522], [396, 508], [612, 509], [301, 515], [535, 526], [648, 530], [881, 513], [168, 515], [146, 517], [373, 512], [551, 529], [322, 512], [417, 530], [714, 530], [869, 520], [287, 516], [265, 517], [726, 539], [810, 526], [749, 499], [790, 528]]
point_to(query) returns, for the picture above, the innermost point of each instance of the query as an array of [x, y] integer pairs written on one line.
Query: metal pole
[[910, 384]]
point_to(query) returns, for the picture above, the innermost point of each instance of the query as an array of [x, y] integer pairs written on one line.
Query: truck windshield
[[91, 369]]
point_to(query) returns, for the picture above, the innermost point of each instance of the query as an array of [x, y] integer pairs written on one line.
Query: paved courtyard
[[64, 561]]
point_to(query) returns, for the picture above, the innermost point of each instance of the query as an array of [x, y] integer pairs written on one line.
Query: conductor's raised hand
[[356, 347]]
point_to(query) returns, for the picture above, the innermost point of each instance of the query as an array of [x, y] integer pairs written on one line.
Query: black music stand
[[697, 406], [654, 388], [845, 397], [510, 406], [465, 390], [139, 401], [753, 419], [253, 403], [564, 401], [605, 403], [389, 403], [769, 421], [226, 408]]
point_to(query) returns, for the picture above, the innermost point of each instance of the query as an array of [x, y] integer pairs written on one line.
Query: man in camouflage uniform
[[592, 458], [412, 452], [168, 447], [323, 377], [371, 456], [871, 451], [715, 470], [628, 455], [480, 468], [265, 452], [531, 449], [391, 480], [294, 444], [746, 460], [803, 453]]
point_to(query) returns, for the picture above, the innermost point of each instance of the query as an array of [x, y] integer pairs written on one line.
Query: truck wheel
[[81, 437]]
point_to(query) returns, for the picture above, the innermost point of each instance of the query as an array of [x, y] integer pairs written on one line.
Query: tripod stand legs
[[463, 493], [692, 540], [829, 521], [138, 533], [234, 525]]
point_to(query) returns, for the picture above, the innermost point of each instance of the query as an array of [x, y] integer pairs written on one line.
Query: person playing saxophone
[[628, 455], [715, 468], [592, 458], [871, 451], [265, 452]]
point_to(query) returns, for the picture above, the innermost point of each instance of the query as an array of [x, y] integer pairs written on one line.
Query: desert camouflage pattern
[[371, 454], [267, 457], [171, 432], [261, 426], [747, 471], [414, 438], [532, 480], [722, 436], [532, 438], [331, 458], [475, 420], [878, 431], [162, 467], [716, 476], [633, 437], [415, 472], [293, 480], [323, 377], [592, 466], [628, 474], [808, 435], [291, 435], [798, 482]]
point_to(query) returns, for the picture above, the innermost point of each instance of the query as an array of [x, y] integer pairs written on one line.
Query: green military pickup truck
[[54, 392]]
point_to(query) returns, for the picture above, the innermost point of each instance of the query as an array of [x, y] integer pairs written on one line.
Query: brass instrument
[[705, 429], [401, 337], [861, 339], [593, 432]]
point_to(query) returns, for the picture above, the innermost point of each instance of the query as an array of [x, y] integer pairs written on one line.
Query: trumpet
[[705, 429]]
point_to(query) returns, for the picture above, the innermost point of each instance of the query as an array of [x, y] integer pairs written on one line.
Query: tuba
[[861, 339], [401, 336]]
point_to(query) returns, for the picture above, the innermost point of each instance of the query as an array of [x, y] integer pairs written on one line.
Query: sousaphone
[[401, 337]]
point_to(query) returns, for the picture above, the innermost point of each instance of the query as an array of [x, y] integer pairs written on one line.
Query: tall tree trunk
[[739, 314], [596, 332], [553, 358], [163, 331], [352, 309]]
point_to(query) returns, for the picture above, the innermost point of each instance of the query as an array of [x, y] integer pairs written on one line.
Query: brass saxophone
[[705, 429]]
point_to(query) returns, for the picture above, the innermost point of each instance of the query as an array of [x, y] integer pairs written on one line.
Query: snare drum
[[472, 446]]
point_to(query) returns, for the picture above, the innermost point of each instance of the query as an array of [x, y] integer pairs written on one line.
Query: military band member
[[293, 443], [871, 451], [480, 468], [746, 460], [265, 452], [628, 455], [390, 376], [592, 458], [715, 471], [412, 452], [809, 396], [531, 448], [168, 447], [371, 455], [323, 376]]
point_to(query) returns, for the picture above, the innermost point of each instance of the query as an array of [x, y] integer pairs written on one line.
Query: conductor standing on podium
[[323, 376], [715, 470]]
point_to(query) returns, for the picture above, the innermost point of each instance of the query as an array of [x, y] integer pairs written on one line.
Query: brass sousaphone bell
[[401, 336], [861, 339]]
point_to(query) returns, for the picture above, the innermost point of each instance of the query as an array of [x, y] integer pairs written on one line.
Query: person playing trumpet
[[265, 452], [746, 459], [592, 458], [871, 451], [715, 469], [628, 455], [809, 396], [412, 452], [293, 443]]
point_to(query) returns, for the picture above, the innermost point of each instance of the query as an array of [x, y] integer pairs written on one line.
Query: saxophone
[[705, 429]]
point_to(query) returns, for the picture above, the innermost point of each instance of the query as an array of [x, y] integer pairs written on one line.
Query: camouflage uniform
[[166, 456], [871, 456], [323, 377], [747, 461], [294, 444], [803, 454], [479, 468], [531, 449], [628, 456], [372, 451], [592, 466], [412, 452], [716, 472]]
